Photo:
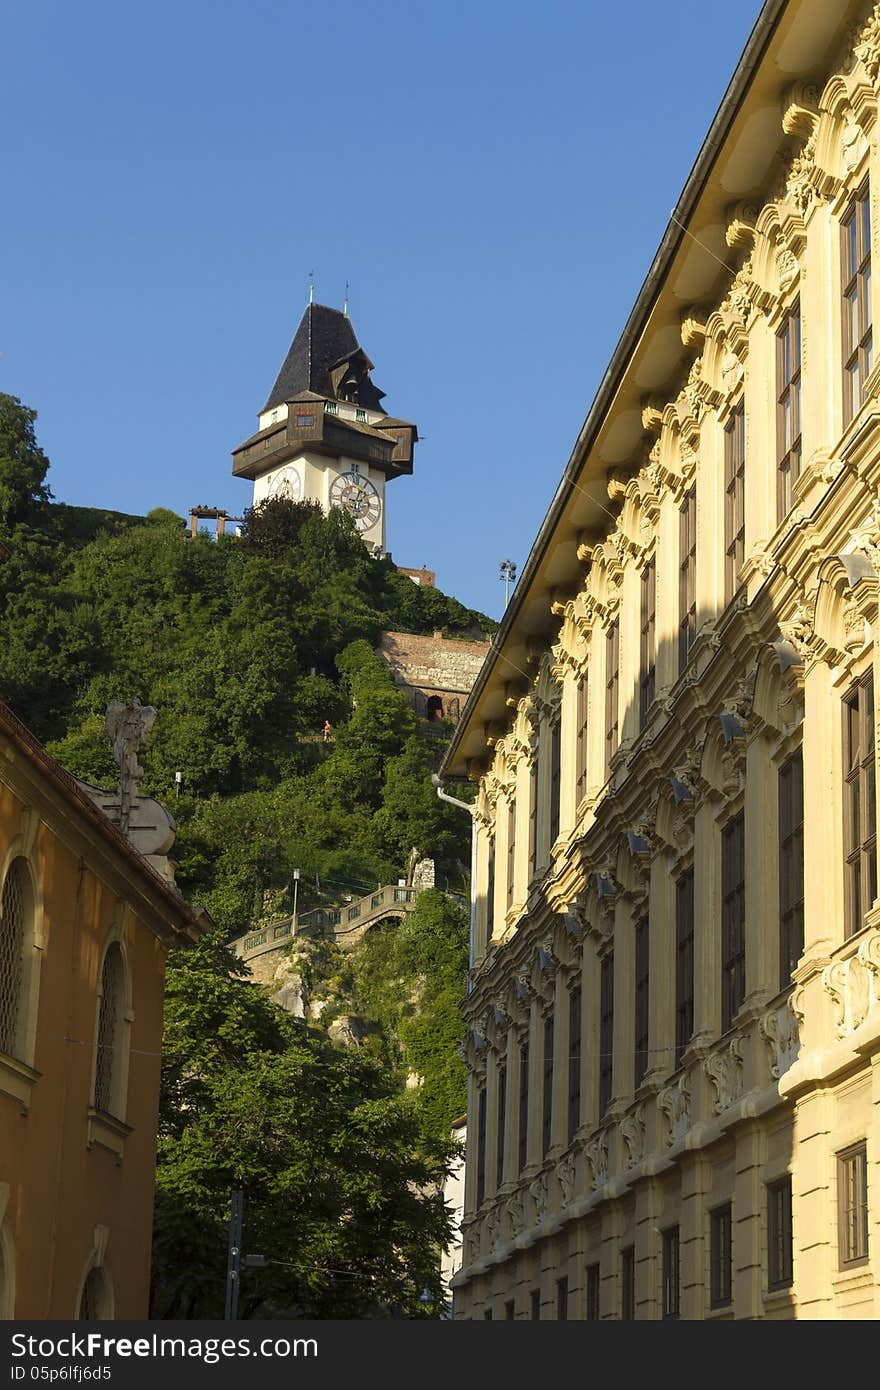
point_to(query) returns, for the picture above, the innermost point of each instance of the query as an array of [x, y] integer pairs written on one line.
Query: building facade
[[324, 435], [674, 1005], [85, 924], [436, 673]]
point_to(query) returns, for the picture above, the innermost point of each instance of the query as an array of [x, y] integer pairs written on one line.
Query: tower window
[[303, 421]]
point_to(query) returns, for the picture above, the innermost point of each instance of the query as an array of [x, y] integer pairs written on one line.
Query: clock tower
[[324, 435]]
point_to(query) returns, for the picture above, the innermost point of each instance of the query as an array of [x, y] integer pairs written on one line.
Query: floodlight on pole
[[507, 573]]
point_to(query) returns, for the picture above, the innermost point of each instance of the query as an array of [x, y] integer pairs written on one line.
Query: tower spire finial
[[345, 301], [311, 287]]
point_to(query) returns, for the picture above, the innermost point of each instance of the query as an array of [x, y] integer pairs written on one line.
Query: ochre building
[[85, 924], [674, 1007]]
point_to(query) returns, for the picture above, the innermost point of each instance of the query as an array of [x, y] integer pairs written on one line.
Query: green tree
[[339, 1177], [23, 465]]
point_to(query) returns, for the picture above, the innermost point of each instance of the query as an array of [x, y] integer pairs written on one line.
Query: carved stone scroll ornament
[[566, 1172], [867, 47], [779, 1029], [597, 1157], [854, 985], [675, 1105], [724, 1070], [632, 1130], [538, 1190], [516, 1213]]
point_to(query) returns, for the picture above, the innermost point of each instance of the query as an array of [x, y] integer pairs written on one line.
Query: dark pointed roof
[[324, 341]]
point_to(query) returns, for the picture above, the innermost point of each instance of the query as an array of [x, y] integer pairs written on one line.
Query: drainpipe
[[465, 806]]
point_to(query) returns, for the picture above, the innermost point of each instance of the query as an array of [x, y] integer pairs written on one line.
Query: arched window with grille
[[110, 1059], [16, 959]]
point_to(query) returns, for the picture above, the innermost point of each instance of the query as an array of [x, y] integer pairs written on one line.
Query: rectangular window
[[523, 1105], [734, 499], [788, 410], [852, 1205], [606, 1032], [779, 1244], [361, 415], [791, 866], [733, 920], [628, 1283], [720, 1272], [684, 963], [555, 758], [304, 421], [858, 346], [612, 679], [510, 1310], [481, 1145], [561, 1299], [583, 700], [648, 652], [511, 850], [687, 577], [547, 1099], [490, 892], [642, 1002], [859, 802], [671, 1280], [536, 1305], [533, 820], [574, 1062], [502, 1122], [593, 1293]]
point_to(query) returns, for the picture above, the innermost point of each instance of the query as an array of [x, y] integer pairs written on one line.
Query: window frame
[[852, 1177], [687, 577], [500, 1123], [790, 794], [684, 963], [859, 777], [523, 1115], [612, 693], [733, 919], [480, 1189], [642, 1010], [857, 353], [575, 1035], [671, 1273], [593, 1292], [606, 1032], [547, 1085], [734, 498], [721, 1256], [583, 704], [647, 639], [788, 408], [780, 1243], [628, 1283]]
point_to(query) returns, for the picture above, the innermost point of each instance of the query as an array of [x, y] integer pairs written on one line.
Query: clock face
[[357, 496], [286, 483]]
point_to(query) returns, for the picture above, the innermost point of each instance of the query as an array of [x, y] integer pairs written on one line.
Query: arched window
[[94, 1302], [16, 941], [111, 1009], [435, 707]]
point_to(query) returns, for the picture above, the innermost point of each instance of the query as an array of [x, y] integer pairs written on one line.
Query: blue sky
[[491, 178]]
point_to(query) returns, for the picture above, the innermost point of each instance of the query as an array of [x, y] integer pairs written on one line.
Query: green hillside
[[245, 646]]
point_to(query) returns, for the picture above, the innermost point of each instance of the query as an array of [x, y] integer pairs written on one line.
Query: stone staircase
[[345, 924]]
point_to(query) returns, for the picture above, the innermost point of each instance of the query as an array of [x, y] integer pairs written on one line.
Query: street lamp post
[[295, 892], [507, 573]]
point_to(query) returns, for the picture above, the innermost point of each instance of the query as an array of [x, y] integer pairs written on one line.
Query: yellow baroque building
[[674, 1005]]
